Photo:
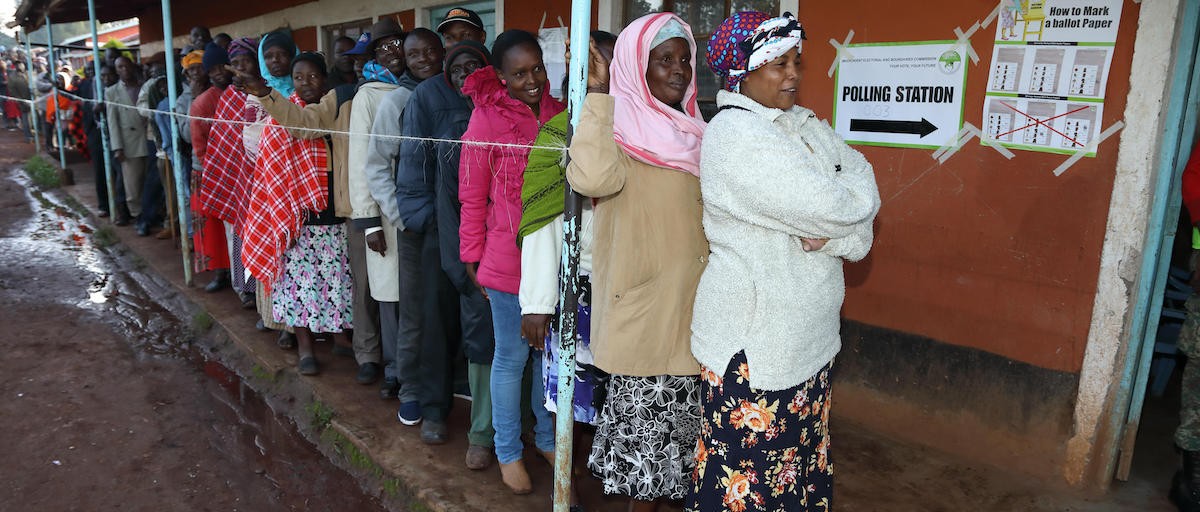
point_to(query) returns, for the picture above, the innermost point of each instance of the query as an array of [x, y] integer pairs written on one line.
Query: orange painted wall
[[527, 15], [306, 38], [994, 254]]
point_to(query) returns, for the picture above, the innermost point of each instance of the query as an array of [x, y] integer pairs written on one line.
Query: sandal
[[308, 366]]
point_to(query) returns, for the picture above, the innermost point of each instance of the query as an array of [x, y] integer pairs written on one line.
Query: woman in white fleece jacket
[[785, 202]]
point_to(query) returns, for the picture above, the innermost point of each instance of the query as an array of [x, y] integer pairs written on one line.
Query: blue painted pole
[[176, 159], [62, 152], [1179, 137], [31, 119], [568, 306], [109, 175]]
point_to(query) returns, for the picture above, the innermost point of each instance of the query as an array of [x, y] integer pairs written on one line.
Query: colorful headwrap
[[374, 72], [747, 40], [242, 46], [283, 83], [192, 59]]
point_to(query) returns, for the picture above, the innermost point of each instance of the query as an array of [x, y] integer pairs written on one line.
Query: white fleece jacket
[[768, 178]]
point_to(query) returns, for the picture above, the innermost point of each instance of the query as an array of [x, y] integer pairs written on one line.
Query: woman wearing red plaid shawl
[[294, 242], [226, 169]]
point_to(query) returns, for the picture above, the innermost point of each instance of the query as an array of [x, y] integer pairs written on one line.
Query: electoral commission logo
[[950, 62]]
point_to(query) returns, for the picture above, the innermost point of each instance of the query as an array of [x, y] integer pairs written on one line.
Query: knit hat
[[466, 46], [214, 56], [313, 58], [280, 39], [748, 40]]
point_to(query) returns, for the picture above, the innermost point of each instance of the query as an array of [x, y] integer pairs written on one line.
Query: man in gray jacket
[[127, 134]]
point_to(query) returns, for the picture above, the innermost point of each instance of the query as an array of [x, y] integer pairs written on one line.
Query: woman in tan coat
[[637, 151]]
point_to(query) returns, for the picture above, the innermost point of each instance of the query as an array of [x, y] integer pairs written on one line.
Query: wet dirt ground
[[108, 406]]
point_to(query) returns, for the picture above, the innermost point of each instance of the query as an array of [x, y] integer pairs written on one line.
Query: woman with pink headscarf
[[636, 151]]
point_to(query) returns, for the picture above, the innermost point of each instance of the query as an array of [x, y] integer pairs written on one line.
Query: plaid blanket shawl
[[290, 179], [226, 170]]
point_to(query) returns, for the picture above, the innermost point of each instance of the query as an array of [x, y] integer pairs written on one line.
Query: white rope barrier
[[177, 115]]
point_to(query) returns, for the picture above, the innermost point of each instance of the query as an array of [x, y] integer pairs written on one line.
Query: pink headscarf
[[649, 130]]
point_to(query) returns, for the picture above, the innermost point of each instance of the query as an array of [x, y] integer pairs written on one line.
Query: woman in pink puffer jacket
[[512, 101]]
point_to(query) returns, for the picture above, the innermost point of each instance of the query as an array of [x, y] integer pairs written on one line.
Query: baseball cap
[[363, 45], [461, 14]]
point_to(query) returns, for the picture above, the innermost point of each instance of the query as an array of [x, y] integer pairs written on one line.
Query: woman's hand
[[597, 69], [535, 328], [119, 155], [813, 244], [471, 269]]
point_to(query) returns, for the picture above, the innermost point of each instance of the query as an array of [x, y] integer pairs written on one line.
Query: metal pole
[[568, 305], [62, 152], [109, 177], [31, 120], [176, 159]]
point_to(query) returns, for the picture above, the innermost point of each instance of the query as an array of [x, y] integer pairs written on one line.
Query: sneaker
[[409, 413]]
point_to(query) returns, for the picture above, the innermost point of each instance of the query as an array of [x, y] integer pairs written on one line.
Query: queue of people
[[404, 200]]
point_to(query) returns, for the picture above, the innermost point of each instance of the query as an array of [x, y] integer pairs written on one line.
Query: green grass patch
[[76, 206], [262, 374], [43, 173], [320, 414], [202, 321], [104, 236]]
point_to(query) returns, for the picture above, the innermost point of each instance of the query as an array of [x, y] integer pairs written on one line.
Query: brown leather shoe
[[163, 234], [478, 457], [515, 477]]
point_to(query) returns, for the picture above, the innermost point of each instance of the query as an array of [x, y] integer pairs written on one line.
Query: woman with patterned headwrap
[[785, 203]]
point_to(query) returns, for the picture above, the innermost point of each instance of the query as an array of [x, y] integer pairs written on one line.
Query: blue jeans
[[508, 367]]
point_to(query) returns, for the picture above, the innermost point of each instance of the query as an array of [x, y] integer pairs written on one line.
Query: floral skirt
[[589, 380], [762, 450], [646, 437], [315, 290]]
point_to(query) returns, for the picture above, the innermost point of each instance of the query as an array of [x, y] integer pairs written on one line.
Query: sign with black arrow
[[907, 94], [922, 127]]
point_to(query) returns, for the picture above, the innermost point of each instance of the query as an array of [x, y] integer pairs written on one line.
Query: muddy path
[[109, 405]]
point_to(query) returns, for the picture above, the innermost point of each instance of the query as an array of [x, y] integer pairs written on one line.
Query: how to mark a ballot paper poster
[[1048, 73], [907, 95]]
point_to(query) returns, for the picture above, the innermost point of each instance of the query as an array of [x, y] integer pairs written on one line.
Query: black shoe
[[433, 432], [121, 220], [368, 373], [247, 300], [261, 326], [1185, 487], [142, 230], [219, 282], [308, 366], [390, 389], [286, 340]]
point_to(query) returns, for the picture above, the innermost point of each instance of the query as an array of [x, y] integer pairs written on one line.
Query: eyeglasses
[[393, 45]]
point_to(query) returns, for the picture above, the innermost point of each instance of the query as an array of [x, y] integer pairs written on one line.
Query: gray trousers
[[366, 309], [407, 346]]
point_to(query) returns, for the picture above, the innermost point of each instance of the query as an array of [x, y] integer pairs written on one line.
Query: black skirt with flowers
[[762, 450]]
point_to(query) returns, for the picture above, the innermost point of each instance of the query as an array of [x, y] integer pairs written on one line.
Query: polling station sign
[[907, 94]]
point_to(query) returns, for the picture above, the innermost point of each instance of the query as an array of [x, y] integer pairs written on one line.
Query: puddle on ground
[[303, 476]]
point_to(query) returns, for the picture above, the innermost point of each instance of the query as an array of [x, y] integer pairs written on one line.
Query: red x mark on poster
[[1043, 122]]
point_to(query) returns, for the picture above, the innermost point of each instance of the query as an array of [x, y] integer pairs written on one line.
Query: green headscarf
[[543, 196]]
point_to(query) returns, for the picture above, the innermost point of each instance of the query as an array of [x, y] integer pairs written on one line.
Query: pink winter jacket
[[490, 178]]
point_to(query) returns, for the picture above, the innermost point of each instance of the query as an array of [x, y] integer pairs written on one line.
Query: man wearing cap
[[461, 24], [379, 77], [399, 193], [360, 55]]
